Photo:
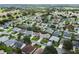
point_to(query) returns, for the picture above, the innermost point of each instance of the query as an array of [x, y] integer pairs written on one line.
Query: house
[[16, 29], [77, 29], [49, 30], [77, 22], [45, 35], [70, 27], [67, 34], [28, 32], [18, 44], [4, 38], [61, 24], [14, 43], [2, 52], [35, 34], [49, 43], [76, 44], [54, 38], [44, 25], [4, 32], [77, 37], [63, 51], [56, 33], [39, 51], [6, 25], [10, 42], [38, 19], [28, 49]]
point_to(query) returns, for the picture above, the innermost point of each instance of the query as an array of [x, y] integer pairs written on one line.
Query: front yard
[[35, 38], [44, 41]]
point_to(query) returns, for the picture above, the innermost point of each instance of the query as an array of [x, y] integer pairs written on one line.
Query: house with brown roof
[[28, 49], [39, 51]]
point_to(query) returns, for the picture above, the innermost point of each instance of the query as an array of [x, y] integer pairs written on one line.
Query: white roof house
[[28, 33], [49, 43], [2, 52], [4, 38], [16, 29], [54, 38], [4, 32], [35, 34], [44, 35], [49, 30]]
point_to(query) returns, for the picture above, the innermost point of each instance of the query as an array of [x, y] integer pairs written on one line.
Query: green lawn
[[1, 30], [35, 38], [6, 49], [37, 46], [44, 41]]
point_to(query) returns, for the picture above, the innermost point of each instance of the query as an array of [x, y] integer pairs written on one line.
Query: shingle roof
[[27, 49]]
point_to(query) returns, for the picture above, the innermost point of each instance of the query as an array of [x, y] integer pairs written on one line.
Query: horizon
[[40, 5]]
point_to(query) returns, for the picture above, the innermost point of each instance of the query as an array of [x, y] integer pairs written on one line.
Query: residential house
[[49, 43], [28, 49], [57, 33], [4, 38], [2, 52], [14, 43], [39, 51], [10, 42], [16, 29], [54, 38], [45, 36]]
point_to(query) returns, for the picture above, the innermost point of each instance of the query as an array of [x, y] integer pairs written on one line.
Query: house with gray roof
[[4, 38]]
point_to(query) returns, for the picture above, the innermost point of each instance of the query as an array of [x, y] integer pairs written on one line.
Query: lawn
[[6, 49], [35, 38], [44, 41], [1, 30], [37, 46]]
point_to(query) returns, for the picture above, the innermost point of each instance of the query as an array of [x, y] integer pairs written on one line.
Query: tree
[[24, 13], [9, 15], [36, 29], [62, 32], [19, 36], [27, 39], [67, 44], [17, 50], [73, 37], [3, 16], [50, 50]]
